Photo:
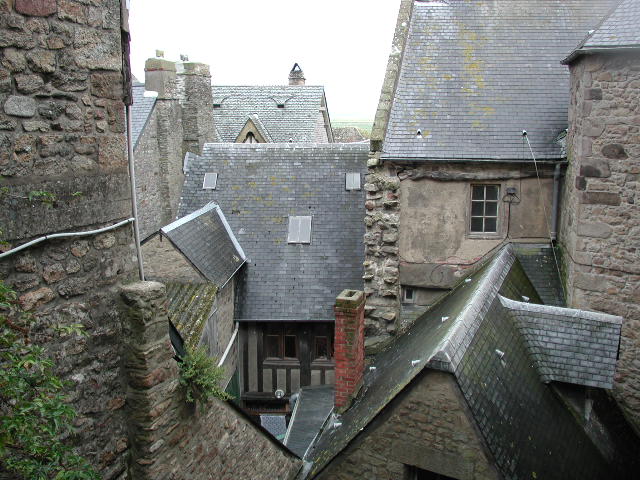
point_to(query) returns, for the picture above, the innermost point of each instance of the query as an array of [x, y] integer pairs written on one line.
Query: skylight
[[210, 181], [299, 229]]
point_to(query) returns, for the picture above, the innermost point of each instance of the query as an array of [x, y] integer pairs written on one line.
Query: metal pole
[[134, 203]]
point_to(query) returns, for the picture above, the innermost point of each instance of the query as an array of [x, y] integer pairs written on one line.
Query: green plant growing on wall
[[201, 377], [34, 418]]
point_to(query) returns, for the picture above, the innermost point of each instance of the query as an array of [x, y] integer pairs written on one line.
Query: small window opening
[[299, 229], [352, 180], [217, 105], [408, 295], [290, 350], [210, 181], [250, 138], [322, 348], [281, 105], [484, 208]]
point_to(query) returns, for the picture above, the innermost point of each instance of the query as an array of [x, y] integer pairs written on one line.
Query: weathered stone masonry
[[62, 131], [600, 216], [170, 438]]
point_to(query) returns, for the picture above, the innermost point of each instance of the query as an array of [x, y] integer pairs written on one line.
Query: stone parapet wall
[[170, 438], [600, 216]]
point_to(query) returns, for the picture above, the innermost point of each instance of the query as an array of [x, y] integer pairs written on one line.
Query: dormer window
[[352, 181], [299, 229], [210, 181], [250, 138]]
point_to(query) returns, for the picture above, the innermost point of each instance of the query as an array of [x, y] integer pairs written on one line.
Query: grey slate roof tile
[[475, 74], [312, 409], [189, 308], [296, 121], [259, 186], [204, 237], [620, 29], [140, 111]]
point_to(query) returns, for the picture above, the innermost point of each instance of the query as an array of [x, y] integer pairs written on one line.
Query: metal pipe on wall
[[134, 203], [555, 205]]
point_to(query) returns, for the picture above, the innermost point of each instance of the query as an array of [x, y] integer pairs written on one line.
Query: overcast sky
[[341, 44]]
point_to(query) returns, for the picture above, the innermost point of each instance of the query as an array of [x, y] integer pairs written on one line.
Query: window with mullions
[[484, 208], [281, 343], [322, 348]]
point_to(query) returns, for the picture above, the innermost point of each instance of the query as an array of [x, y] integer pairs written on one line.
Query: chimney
[[349, 347], [196, 99], [296, 75], [160, 76]]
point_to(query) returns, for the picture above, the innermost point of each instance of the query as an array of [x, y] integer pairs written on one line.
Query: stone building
[[600, 221], [297, 211], [64, 83], [171, 118], [452, 177], [487, 384], [272, 114]]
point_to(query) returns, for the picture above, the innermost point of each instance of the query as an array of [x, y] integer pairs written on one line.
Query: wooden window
[[352, 181], [299, 229], [280, 343], [321, 350], [484, 208]]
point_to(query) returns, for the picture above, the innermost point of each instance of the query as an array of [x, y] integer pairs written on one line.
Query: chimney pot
[[296, 75]]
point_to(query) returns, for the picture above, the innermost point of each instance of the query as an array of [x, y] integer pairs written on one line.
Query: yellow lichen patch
[[308, 194], [447, 76], [278, 220], [252, 184], [274, 180], [286, 189], [477, 124], [235, 187], [278, 241], [472, 66]]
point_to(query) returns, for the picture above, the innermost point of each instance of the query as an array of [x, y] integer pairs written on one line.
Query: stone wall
[[417, 230], [170, 438], [62, 131], [426, 426], [181, 122], [600, 217], [164, 263]]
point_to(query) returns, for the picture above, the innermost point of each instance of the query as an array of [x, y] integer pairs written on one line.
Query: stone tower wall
[[62, 131], [600, 216]]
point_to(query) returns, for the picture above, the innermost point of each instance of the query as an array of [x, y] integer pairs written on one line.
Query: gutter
[[555, 204], [590, 51], [134, 204]]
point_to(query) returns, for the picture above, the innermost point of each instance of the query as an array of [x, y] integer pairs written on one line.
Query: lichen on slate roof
[[475, 74], [295, 121], [259, 187], [483, 333], [189, 307]]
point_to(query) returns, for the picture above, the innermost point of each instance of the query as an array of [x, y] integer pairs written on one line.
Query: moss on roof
[[190, 306]]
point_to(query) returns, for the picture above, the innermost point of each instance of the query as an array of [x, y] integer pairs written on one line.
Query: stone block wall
[[62, 131], [172, 439], [427, 427], [600, 221]]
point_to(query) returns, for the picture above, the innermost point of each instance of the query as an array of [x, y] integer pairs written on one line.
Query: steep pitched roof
[[140, 111], [206, 240], [312, 408], [475, 334], [287, 112], [260, 186], [618, 31], [190, 306], [475, 74]]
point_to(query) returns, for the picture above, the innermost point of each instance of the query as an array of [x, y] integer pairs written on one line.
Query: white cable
[[546, 216], [64, 235]]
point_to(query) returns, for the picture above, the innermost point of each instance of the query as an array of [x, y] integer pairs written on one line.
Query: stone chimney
[[349, 347], [194, 80], [296, 75], [160, 76]]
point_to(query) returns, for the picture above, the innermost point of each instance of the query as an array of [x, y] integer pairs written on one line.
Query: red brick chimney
[[349, 347]]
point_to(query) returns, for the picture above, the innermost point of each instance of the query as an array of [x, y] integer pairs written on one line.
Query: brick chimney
[[296, 75], [349, 347]]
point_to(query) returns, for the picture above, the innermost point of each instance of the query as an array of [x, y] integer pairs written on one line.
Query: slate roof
[[619, 30], [473, 332], [189, 308], [206, 240], [475, 74], [539, 264], [312, 408], [297, 120], [259, 186], [570, 346], [140, 111]]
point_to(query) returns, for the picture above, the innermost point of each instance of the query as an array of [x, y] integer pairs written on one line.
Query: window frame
[[295, 239], [281, 332], [215, 182], [353, 175], [498, 216]]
